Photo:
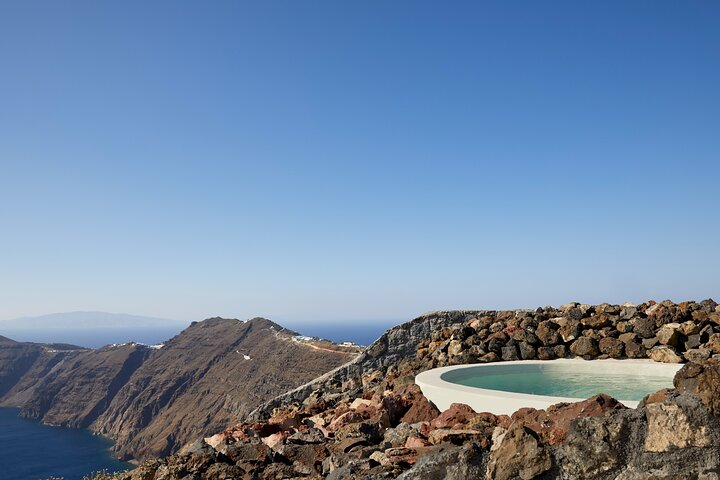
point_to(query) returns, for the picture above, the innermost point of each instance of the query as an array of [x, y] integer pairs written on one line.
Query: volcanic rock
[[665, 354], [703, 381], [520, 454]]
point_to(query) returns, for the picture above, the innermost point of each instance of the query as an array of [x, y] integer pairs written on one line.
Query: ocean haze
[[94, 329], [91, 329], [88, 319]]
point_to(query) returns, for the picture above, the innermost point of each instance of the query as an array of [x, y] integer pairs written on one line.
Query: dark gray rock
[[510, 353], [447, 462], [584, 347]]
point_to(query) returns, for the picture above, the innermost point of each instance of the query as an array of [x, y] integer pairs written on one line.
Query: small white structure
[[437, 384]]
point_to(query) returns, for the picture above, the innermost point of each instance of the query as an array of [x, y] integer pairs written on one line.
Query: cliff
[[152, 400], [368, 420]]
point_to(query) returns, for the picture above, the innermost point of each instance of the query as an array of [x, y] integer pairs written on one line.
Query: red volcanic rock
[[241, 433], [504, 421], [414, 441], [421, 410], [368, 410], [345, 419], [457, 414], [404, 455], [552, 424], [219, 439], [275, 439], [287, 420]]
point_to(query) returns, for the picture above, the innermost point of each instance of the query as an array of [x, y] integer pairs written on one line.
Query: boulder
[[560, 351], [597, 321], [456, 414], [569, 329], [643, 327], [713, 343], [669, 334], [448, 462], [404, 455], [634, 350], [519, 454], [421, 410], [553, 424], [665, 354], [509, 353], [345, 419], [593, 447], [669, 428], [612, 347], [546, 353], [584, 347], [547, 333], [456, 436], [623, 327], [527, 351], [690, 328], [398, 436], [414, 441], [697, 355], [309, 435], [455, 347], [254, 452], [310, 455], [692, 341], [628, 312], [703, 381]]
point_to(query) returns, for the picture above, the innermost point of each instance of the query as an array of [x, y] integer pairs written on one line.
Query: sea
[[32, 451]]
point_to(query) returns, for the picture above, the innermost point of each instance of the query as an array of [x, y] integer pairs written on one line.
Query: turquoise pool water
[[568, 384]]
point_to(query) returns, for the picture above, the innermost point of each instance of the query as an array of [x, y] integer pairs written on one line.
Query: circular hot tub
[[504, 387]]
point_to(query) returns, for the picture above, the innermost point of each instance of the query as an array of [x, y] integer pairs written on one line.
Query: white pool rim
[[437, 386]]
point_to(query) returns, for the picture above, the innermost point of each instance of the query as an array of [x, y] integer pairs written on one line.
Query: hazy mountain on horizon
[[88, 319]]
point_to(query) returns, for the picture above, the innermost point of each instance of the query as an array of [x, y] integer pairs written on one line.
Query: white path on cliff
[[303, 340]]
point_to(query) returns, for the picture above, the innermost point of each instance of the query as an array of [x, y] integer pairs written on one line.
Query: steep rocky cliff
[[368, 420], [152, 400], [24, 365]]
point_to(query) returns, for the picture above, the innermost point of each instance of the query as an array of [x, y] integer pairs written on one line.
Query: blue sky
[[356, 160]]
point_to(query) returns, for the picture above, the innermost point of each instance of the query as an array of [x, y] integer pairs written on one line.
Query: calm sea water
[[31, 451], [362, 333], [92, 338]]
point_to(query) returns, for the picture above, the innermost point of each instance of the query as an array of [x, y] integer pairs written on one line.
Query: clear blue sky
[[356, 160]]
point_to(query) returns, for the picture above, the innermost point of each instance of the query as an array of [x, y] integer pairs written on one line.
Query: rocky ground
[[368, 419]]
